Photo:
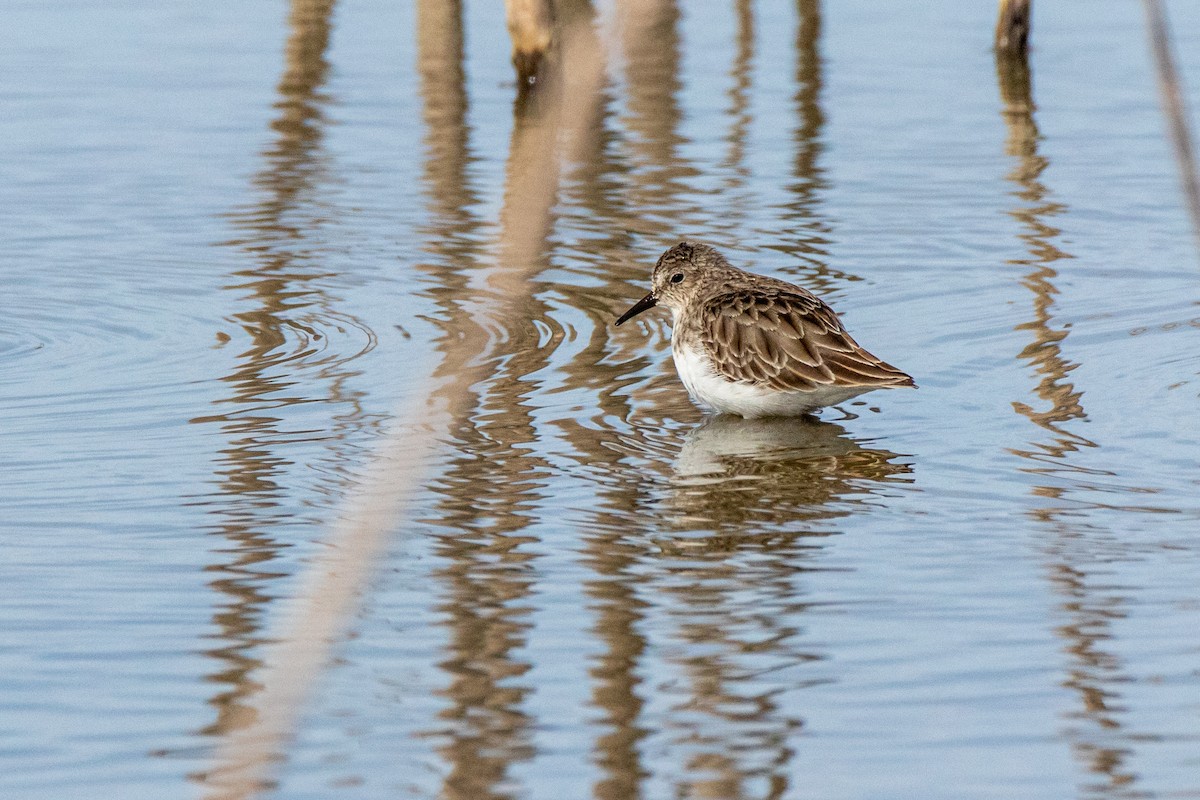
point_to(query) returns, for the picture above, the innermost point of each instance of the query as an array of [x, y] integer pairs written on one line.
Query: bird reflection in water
[[747, 512], [734, 473]]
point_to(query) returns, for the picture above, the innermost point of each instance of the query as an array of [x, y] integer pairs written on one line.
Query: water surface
[[238, 238]]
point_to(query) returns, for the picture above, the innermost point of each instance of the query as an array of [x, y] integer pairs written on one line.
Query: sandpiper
[[756, 346]]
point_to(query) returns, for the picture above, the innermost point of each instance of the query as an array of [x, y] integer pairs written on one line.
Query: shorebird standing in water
[[756, 346]]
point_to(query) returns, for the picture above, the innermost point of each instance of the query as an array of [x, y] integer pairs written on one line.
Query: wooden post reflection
[[1092, 673], [289, 307], [490, 347], [808, 177], [807, 230], [738, 111], [651, 45], [650, 41], [483, 581], [1044, 353], [729, 733], [440, 52]]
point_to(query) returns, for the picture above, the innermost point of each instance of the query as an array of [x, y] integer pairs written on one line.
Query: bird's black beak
[[649, 301]]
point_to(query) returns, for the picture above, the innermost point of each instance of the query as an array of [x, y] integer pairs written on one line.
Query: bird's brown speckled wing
[[787, 341]]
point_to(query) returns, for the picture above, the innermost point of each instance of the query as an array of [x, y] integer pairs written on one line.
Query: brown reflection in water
[[1044, 353], [735, 630], [734, 198], [598, 184], [658, 193], [629, 183], [451, 234], [659, 204], [732, 722], [722, 559], [805, 233], [486, 601], [1077, 566], [482, 578], [291, 361], [752, 478], [491, 483], [1095, 729], [616, 684], [768, 488], [765, 488], [451, 237]]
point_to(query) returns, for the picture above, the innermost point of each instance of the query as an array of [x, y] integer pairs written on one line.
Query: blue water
[[237, 241]]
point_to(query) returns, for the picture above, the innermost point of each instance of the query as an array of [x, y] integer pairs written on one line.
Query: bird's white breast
[[716, 393]]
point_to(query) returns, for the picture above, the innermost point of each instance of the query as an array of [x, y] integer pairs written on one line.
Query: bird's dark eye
[[677, 277]]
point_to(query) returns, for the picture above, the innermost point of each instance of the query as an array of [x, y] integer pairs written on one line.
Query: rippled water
[[239, 237]]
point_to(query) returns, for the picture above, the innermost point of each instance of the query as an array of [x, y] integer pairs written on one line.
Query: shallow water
[[237, 241]]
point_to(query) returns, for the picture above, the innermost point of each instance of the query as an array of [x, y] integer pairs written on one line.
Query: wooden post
[[1013, 25], [531, 27]]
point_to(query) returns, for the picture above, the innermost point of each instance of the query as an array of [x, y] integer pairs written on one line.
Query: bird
[[756, 346]]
